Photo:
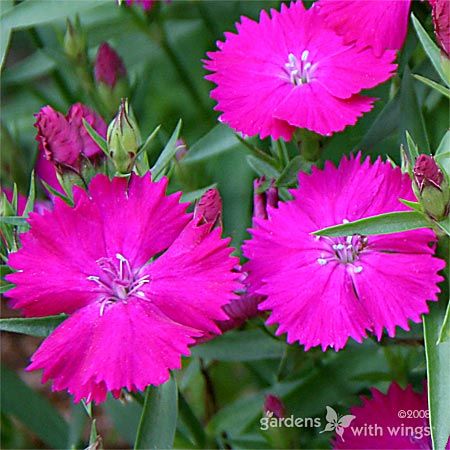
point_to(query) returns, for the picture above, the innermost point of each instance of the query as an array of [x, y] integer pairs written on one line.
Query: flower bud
[[75, 44], [263, 199], [209, 209], [111, 76], [273, 406], [123, 139], [431, 187], [441, 21]]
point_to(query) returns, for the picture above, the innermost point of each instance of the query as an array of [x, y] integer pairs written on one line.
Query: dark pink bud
[[274, 406], [209, 208], [261, 200], [109, 67], [427, 172], [441, 21], [63, 140]]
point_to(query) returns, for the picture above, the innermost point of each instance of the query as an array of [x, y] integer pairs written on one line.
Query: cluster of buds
[[431, 187], [123, 139]]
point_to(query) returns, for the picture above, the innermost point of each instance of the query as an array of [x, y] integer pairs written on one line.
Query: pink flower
[[146, 5], [109, 67], [390, 429], [131, 316], [380, 24], [321, 291], [441, 20], [290, 70], [64, 141]]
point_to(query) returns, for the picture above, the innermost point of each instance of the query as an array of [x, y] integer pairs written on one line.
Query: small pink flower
[[109, 67], [395, 420], [132, 315], [290, 70], [380, 24], [64, 141], [441, 21], [323, 290]]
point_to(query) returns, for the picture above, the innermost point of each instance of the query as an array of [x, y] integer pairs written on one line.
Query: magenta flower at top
[[395, 420], [64, 141], [146, 5], [323, 290], [109, 67], [441, 21], [292, 71], [131, 314], [380, 24]]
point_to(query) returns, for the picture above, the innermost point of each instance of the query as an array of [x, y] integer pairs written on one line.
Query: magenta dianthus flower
[[380, 24], [131, 314], [389, 428], [290, 70], [323, 290]]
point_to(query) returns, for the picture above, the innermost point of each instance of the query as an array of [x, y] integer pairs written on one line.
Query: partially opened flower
[[380, 24], [290, 70], [132, 313], [390, 429], [64, 141], [323, 290], [109, 67]]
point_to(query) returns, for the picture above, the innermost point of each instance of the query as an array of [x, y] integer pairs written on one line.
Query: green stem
[[258, 152]]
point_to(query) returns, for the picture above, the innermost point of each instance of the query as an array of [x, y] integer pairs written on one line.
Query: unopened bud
[[75, 44], [263, 199], [209, 209], [123, 139], [431, 187], [273, 406], [441, 21]]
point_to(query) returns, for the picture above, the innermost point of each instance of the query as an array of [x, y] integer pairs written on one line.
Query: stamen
[[299, 71]]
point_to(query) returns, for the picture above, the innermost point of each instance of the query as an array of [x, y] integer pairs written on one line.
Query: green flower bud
[[123, 139], [431, 187], [75, 44]]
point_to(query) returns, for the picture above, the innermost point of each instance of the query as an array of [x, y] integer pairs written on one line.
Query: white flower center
[[118, 281], [345, 250], [299, 71]]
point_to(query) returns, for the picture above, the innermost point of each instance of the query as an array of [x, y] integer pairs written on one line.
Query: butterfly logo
[[335, 423]]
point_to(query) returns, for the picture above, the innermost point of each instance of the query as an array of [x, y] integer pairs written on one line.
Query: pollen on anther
[[322, 261], [358, 269]]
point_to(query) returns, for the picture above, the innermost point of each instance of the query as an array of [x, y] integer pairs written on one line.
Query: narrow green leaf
[[432, 84], [385, 124], [159, 417], [146, 145], [14, 220], [191, 421], [442, 154], [394, 222], [219, 140], [413, 205], [31, 196], [412, 147], [411, 117], [247, 345], [290, 172], [56, 193], [438, 364], [99, 140], [39, 326], [431, 49], [262, 168], [167, 154], [444, 225], [444, 333], [33, 410]]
